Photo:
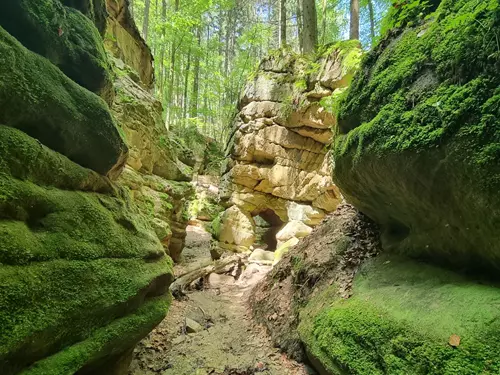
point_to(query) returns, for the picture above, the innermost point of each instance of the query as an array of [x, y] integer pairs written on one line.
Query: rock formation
[[278, 164], [420, 135], [156, 178], [83, 275], [418, 152]]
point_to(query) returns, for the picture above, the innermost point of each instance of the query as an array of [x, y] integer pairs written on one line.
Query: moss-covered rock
[[79, 264], [63, 35], [93, 9], [400, 320], [39, 99], [419, 143]]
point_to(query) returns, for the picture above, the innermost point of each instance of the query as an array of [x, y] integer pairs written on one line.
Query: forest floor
[[210, 331]]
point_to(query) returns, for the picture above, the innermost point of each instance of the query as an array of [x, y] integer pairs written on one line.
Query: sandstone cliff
[[156, 178], [278, 163]]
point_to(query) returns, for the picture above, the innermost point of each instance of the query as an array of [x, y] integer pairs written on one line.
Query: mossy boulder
[[93, 9], [83, 276], [404, 318], [36, 97], [419, 143], [63, 35]]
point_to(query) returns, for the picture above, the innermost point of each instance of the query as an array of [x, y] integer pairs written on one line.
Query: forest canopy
[[204, 50]]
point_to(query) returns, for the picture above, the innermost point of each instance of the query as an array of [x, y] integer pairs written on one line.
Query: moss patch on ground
[[400, 319]]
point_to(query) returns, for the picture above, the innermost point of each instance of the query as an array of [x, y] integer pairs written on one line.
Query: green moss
[[204, 207], [400, 319], [420, 87], [63, 35], [42, 223], [75, 256], [113, 339], [39, 99], [215, 226], [418, 141]]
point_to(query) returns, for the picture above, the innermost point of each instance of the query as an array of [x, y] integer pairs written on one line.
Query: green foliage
[[399, 321], [215, 226]]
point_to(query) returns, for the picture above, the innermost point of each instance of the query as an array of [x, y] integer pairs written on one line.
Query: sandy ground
[[229, 342]]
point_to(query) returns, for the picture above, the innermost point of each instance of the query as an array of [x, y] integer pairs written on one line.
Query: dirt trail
[[227, 342]]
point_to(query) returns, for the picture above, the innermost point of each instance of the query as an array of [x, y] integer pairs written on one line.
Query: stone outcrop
[[157, 180], [278, 163], [126, 43], [333, 300], [63, 35], [83, 275], [420, 136]]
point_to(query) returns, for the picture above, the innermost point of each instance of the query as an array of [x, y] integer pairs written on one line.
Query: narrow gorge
[[244, 187]]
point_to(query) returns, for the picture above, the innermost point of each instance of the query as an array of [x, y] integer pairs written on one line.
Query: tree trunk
[[162, 48], [282, 23], [310, 37], [300, 25], [186, 84], [170, 93], [372, 20], [196, 79], [145, 25], [354, 27], [323, 23]]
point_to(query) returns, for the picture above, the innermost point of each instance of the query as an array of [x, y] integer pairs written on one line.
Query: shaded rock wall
[[157, 179], [83, 276], [350, 311], [278, 155]]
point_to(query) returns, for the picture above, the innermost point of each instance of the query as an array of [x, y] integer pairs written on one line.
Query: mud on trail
[[210, 330]]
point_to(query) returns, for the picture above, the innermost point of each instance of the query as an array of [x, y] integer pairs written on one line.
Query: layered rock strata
[[157, 180], [278, 162]]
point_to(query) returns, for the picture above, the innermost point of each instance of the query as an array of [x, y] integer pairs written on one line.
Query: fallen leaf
[[454, 340]]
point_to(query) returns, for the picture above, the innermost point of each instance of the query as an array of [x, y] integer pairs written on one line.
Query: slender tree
[[323, 22], [282, 23], [196, 78], [310, 26], [354, 25], [372, 20], [300, 23], [145, 24]]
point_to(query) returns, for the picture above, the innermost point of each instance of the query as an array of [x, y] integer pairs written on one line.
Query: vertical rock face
[[157, 179], [279, 166], [127, 43], [83, 276]]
